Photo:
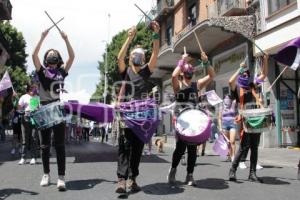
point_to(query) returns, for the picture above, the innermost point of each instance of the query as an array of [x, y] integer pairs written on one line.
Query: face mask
[[52, 60], [137, 59], [35, 91], [188, 75]]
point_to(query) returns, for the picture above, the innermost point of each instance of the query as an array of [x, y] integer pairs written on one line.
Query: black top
[[186, 97], [248, 98], [138, 84], [50, 85]]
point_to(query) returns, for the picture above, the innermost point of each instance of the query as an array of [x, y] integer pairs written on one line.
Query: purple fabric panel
[[288, 53], [97, 112]]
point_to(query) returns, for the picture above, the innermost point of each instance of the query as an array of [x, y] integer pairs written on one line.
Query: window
[[192, 16], [169, 35], [275, 5]]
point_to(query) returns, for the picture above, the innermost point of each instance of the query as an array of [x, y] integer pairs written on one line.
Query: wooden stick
[[143, 12], [198, 42], [277, 78], [53, 21], [184, 50]]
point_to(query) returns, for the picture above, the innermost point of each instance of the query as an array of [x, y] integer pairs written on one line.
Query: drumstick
[[258, 47], [52, 21], [198, 42], [277, 78], [143, 12], [55, 23]]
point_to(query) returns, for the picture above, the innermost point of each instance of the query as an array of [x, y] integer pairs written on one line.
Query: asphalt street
[[91, 174]]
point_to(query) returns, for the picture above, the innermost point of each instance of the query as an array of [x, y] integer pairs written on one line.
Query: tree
[[143, 38], [15, 45]]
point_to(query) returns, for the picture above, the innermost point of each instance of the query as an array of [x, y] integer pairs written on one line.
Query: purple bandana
[[243, 82]]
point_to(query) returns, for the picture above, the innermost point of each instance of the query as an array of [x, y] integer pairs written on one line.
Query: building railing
[[163, 4], [225, 7], [165, 46], [183, 32]]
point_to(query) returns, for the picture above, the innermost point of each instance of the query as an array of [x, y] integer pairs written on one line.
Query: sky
[[88, 26]]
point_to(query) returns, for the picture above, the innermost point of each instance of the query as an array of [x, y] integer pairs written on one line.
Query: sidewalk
[[268, 157]]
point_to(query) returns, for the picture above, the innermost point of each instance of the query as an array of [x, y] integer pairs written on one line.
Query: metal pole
[[278, 109], [106, 61]]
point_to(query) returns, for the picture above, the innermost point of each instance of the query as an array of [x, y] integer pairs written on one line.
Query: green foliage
[[14, 44], [143, 38]]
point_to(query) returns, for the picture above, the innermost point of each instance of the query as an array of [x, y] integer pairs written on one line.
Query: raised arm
[[122, 53], [232, 80], [175, 81], [71, 54], [155, 48], [35, 54], [203, 82], [265, 69]]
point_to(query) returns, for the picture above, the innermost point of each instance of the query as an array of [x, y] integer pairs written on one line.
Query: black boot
[[253, 177], [232, 175]]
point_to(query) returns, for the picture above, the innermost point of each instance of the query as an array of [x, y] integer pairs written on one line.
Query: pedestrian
[[186, 92], [227, 124], [137, 74], [16, 126], [247, 94], [52, 73], [29, 137]]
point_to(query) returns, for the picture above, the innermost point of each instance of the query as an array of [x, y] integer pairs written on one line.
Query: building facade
[[5, 14], [226, 30]]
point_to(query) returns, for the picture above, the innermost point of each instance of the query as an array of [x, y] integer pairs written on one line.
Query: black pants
[[129, 156], [249, 141], [180, 150], [17, 131], [29, 139], [59, 138], [244, 155], [85, 132]]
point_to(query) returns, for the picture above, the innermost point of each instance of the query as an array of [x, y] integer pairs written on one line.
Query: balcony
[[5, 10], [226, 8], [163, 7]]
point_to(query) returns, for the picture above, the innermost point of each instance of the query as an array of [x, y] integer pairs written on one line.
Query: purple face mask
[[35, 91]]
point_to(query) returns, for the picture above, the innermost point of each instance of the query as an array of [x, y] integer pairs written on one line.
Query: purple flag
[[221, 146], [5, 83], [212, 98], [290, 54], [141, 116]]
